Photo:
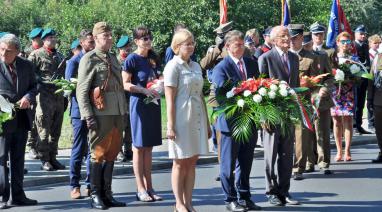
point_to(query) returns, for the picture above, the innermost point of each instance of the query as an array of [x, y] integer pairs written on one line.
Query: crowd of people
[[110, 114]]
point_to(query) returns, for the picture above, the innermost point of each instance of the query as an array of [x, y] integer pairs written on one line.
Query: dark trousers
[[236, 156], [378, 125], [80, 150], [12, 147], [278, 157], [359, 99]]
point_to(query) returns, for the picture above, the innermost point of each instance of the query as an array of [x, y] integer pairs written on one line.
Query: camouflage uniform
[[50, 106]]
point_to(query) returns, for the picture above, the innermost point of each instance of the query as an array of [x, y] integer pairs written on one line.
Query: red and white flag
[[223, 11]]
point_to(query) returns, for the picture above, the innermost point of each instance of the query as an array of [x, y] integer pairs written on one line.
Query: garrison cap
[[307, 38], [361, 29], [123, 41], [267, 31], [48, 32], [248, 40], [317, 28], [295, 29], [36, 32], [3, 33], [223, 28], [101, 27], [75, 44]]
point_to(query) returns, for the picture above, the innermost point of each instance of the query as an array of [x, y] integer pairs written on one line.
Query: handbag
[[97, 95]]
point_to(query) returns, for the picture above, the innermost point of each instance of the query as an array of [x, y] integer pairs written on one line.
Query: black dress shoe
[[288, 200], [47, 166], [234, 206], [275, 200], [24, 202], [378, 159], [25, 171], [361, 131], [217, 178], [57, 165], [3, 205], [249, 205], [297, 176]]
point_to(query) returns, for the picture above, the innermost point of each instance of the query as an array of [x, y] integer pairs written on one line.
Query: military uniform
[[105, 125]]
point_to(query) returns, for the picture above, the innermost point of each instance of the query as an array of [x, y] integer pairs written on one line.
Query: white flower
[[283, 92], [240, 103], [355, 69], [230, 94], [282, 82], [257, 98], [262, 91], [273, 87], [283, 86], [292, 92], [340, 75], [272, 94], [247, 93]]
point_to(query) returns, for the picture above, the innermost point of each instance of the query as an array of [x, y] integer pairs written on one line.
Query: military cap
[[101, 27], [123, 41], [36, 32], [75, 44], [295, 29], [3, 33], [317, 28], [223, 28], [267, 31], [307, 38], [48, 32], [361, 29], [248, 40]]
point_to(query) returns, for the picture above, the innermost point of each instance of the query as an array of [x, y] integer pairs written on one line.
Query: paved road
[[355, 186]]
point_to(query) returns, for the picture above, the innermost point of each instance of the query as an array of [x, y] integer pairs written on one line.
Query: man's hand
[[91, 123], [24, 103]]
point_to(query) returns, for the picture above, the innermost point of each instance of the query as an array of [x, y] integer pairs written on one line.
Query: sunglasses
[[146, 38], [343, 42]]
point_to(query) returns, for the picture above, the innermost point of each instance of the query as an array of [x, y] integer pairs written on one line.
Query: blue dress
[[145, 119]]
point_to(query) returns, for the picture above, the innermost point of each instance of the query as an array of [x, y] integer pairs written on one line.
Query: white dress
[[190, 113]]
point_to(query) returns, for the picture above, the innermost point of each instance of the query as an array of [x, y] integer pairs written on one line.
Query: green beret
[[75, 44], [47, 32], [36, 32], [123, 41], [3, 33]]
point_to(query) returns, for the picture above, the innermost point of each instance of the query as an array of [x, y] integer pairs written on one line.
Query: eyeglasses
[[343, 42], [146, 38], [189, 44]]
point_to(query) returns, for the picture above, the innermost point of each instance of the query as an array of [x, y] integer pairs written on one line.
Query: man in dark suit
[[235, 156], [280, 64], [18, 85]]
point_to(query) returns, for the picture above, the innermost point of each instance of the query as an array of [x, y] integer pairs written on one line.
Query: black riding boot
[[108, 198], [96, 186]]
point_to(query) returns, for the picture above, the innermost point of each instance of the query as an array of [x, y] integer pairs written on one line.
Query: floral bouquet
[[156, 85], [65, 86], [6, 111], [266, 103]]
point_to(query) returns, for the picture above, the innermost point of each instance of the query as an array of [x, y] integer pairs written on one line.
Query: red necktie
[[12, 70], [241, 69], [284, 58]]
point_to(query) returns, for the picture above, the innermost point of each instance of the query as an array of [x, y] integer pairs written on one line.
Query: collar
[[372, 51], [281, 52], [235, 60], [268, 45], [296, 52], [50, 50], [319, 47], [100, 52]]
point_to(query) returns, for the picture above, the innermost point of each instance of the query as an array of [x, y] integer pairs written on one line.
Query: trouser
[[303, 147], [378, 125], [49, 117], [370, 114], [360, 98], [79, 150], [33, 134], [12, 147], [278, 148], [236, 156]]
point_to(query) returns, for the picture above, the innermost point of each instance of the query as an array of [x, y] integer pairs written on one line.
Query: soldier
[[360, 35], [308, 64], [318, 35], [267, 43], [50, 65], [75, 47], [126, 154], [99, 73], [35, 36]]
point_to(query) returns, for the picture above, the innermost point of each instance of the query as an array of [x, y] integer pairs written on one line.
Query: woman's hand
[[149, 93], [171, 134]]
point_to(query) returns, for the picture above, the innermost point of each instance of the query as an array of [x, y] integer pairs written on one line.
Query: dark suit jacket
[[26, 87], [271, 65], [71, 71], [228, 70], [363, 53]]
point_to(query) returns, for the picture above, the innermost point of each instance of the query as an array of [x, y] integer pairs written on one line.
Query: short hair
[[11, 39], [141, 31], [375, 39], [343, 34], [85, 33], [233, 35], [179, 26], [276, 30], [252, 32], [179, 37]]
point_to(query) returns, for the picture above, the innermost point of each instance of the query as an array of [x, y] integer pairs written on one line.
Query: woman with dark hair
[[140, 67]]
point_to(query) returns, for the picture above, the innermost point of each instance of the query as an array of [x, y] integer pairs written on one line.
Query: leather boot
[[108, 198], [96, 186]]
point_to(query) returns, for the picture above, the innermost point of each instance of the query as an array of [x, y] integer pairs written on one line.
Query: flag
[[285, 13], [337, 24], [223, 11]]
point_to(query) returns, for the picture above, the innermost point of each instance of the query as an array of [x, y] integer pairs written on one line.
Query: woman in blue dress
[[140, 67]]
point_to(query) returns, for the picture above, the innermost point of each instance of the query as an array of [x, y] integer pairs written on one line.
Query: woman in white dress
[[187, 122]]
